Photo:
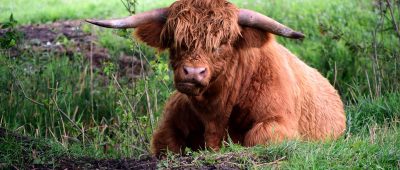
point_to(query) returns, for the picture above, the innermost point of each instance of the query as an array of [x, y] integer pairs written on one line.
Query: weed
[[12, 36]]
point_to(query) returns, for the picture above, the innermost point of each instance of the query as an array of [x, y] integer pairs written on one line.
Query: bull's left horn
[[133, 21], [260, 21]]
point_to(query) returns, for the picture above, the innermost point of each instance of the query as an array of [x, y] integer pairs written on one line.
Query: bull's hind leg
[[269, 132]]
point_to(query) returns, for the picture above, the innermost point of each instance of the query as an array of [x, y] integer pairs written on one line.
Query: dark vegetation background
[[83, 91]]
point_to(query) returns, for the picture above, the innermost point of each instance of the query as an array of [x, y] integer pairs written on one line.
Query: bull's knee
[[166, 140], [265, 133]]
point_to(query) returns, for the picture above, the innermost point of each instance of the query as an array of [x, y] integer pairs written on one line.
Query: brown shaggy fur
[[257, 91], [216, 23]]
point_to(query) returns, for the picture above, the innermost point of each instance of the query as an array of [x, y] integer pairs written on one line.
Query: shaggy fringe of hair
[[201, 24]]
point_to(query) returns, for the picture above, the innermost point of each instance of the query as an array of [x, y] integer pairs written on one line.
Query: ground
[[76, 163], [32, 148]]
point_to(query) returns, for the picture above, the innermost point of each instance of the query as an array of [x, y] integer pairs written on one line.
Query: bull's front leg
[[167, 137], [174, 127], [214, 115], [214, 133]]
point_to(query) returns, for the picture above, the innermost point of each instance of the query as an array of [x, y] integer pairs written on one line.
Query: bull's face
[[199, 35], [194, 71]]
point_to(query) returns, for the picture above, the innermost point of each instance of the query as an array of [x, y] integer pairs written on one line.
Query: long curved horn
[[257, 20], [132, 21]]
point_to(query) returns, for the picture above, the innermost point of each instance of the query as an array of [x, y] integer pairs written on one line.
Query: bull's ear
[[150, 33]]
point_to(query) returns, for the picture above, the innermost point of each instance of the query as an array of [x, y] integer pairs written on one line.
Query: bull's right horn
[[260, 21], [133, 21]]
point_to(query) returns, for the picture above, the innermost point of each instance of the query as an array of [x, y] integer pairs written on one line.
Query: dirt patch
[[32, 148], [67, 38], [88, 163]]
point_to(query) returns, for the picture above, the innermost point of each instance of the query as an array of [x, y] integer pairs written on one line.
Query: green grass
[[375, 145], [43, 11], [380, 151], [60, 101]]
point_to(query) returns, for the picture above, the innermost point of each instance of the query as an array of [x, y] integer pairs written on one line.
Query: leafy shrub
[[12, 36]]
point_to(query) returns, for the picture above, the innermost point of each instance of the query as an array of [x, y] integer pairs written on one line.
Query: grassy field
[[73, 109], [43, 11]]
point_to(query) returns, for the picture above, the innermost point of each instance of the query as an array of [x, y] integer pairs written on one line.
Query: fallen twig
[[272, 163]]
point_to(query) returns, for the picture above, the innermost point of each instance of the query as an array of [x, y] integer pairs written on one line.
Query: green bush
[[12, 36]]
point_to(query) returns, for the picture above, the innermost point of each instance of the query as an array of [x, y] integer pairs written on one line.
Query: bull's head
[[200, 36]]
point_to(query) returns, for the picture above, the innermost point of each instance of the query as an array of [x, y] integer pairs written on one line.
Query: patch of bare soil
[[67, 38], [88, 163], [32, 149]]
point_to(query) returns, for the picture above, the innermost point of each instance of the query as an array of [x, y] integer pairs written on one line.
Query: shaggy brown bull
[[233, 79]]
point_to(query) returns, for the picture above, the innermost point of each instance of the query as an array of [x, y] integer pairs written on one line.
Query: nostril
[[203, 71], [185, 70]]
